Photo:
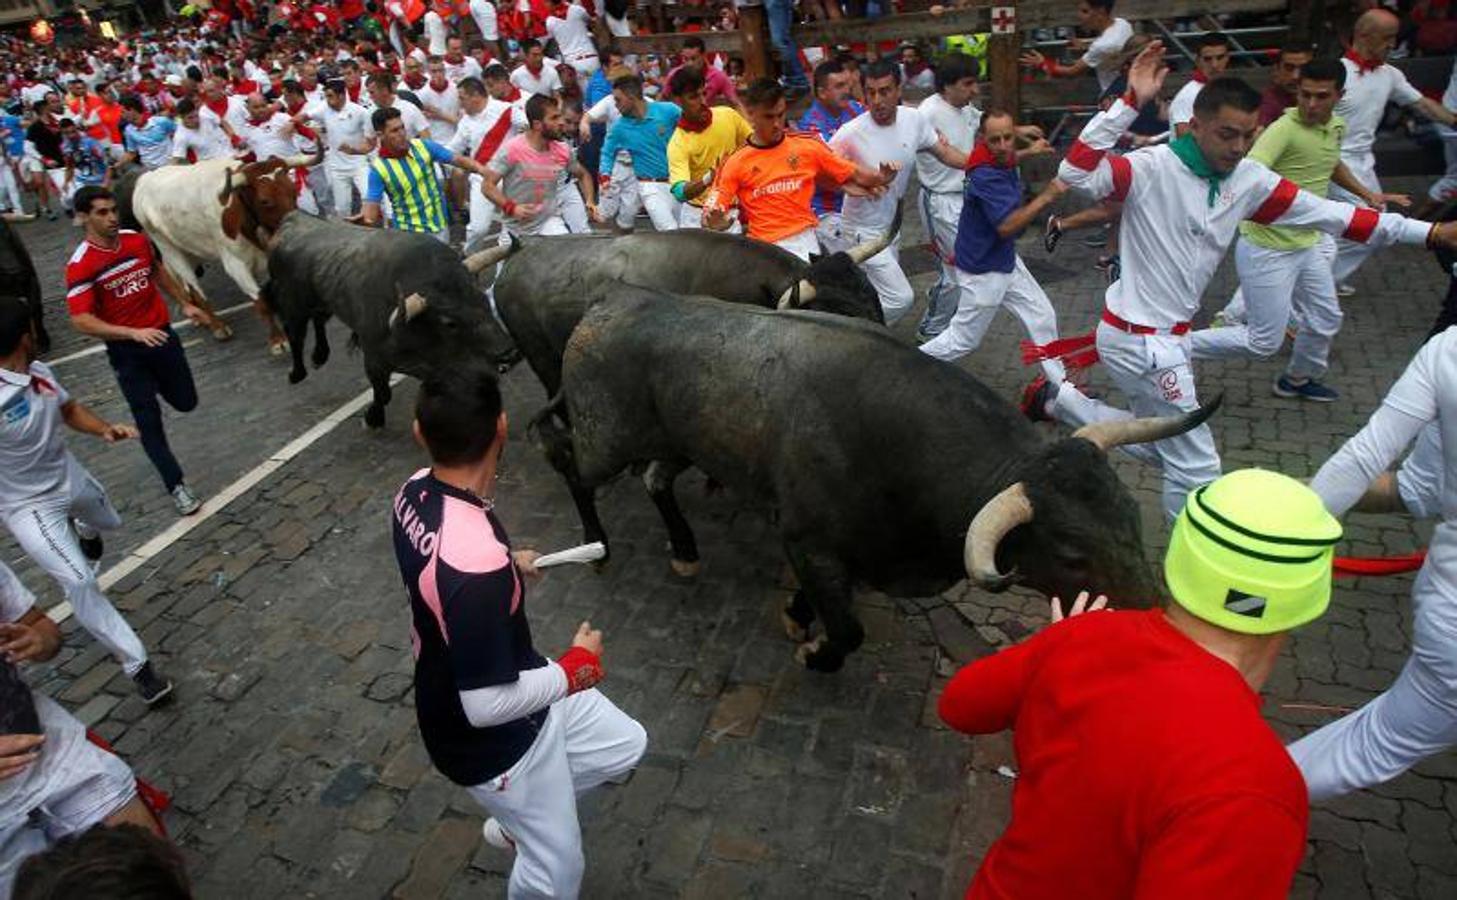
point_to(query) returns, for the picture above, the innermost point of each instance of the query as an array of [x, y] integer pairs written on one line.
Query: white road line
[[215, 504], [97, 347]]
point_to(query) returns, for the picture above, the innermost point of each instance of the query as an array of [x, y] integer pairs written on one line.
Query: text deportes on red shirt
[[1144, 768], [117, 286]]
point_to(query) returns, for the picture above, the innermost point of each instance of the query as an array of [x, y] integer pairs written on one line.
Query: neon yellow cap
[[1251, 552]]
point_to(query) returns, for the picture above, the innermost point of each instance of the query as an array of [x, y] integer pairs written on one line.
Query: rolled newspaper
[[584, 553]]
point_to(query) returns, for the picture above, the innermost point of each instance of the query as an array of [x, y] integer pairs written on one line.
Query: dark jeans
[[145, 373]]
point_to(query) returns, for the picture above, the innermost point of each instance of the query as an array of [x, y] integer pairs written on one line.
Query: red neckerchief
[[514, 95], [42, 385], [444, 84], [390, 154], [535, 73], [1200, 77], [415, 87], [1364, 65], [689, 127], [218, 106], [981, 155]]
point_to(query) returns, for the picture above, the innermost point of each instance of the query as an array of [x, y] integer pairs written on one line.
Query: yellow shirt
[[693, 153], [1304, 154]]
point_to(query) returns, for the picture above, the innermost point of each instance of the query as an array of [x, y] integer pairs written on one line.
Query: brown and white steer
[[220, 210]]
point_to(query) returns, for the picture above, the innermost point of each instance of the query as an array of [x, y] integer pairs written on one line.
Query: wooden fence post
[[1003, 49], [754, 26]]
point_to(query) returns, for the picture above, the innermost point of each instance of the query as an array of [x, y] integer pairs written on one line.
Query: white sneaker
[[186, 501], [497, 836], [1345, 290]]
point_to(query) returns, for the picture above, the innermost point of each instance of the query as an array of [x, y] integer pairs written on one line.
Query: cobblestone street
[[292, 753]]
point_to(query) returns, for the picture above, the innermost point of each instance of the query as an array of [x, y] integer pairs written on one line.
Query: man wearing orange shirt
[[772, 177]]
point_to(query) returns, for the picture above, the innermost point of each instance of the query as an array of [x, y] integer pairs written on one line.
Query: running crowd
[[442, 120]]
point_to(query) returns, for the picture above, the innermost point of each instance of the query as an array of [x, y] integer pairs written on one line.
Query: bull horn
[[482, 260], [1107, 435], [863, 251], [228, 186], [409, 308], [797, 294], [303, 160], [1000, 515]]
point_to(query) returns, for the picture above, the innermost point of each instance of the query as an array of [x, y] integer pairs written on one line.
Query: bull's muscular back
[[880, 451], [542, 293]]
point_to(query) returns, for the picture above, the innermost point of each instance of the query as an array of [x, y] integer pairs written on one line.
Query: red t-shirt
[[117, 286], [1145, 769]]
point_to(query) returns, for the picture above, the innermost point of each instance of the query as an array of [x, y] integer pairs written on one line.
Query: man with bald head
[[1371, 83]]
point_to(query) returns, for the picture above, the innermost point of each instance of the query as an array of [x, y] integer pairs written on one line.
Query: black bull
[[412, 303], [546, 286], [886, 467]]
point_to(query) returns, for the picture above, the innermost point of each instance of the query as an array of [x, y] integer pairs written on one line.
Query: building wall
[[13, 11]]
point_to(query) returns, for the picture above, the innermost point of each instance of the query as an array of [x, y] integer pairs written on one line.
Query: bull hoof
[[818, 657], [796, 632], [221, 332], [373, 418], [685, 569], [320, 356], [297, 375]]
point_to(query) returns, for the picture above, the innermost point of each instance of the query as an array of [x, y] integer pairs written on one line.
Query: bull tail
[[550, 431]]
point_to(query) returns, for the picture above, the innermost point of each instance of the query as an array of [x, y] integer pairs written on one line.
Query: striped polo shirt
[[416, 201]]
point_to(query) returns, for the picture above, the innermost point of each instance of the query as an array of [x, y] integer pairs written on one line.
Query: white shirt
[[435, 32], [1425, 393], [1363, 103], [869, 144], [547, 83], [573, 34], [446, 101], [1105, 54], [466, 68], [1172, 237], [347, 125], [209, 141], [471, 130], [484, 12], [1449, 100], [272, 138], [958, 127], [415, 122], [32, 446], [1181, 108]]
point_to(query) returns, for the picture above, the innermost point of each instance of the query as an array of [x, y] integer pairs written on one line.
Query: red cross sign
[[1004, 19]]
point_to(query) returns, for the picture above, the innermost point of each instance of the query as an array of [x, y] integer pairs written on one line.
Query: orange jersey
[[773, 185]]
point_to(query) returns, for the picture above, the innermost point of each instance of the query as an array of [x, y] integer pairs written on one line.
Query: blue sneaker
[[1308, 389]]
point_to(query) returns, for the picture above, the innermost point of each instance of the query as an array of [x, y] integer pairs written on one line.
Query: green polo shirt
[[1304, 154]]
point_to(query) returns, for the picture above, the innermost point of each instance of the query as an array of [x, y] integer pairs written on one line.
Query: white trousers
[[42, 528], [1271, 283], [1155, 374], [827, 231], [572, 208], [978, 297], [344, 184], [10, 188], [585, 742], [1414, 718], [482, 215], [72, 786], [802, 244], [621, 198], [941, 215], [1351, 254], [1445, 188], [883, 269], [662, 206]]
